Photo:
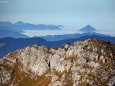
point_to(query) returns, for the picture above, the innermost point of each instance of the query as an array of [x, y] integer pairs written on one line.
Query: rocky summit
[[85, 63]]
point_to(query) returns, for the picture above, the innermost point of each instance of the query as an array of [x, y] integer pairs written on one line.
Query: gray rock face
[[34, 60], [5, 76], [89, 63], [112, 81]]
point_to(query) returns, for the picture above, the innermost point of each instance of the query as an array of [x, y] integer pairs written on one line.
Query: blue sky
[[71, 13]]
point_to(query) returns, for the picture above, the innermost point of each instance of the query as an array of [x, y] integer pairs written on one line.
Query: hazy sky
[[71, 13]]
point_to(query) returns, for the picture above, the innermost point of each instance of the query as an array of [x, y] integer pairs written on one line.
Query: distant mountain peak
[[19, 23], [88, 25], [88, 28]]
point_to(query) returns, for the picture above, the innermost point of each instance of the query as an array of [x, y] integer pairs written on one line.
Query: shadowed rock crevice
[[85, 63]]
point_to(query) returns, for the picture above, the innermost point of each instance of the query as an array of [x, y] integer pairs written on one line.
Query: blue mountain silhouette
[[69, 36], [11, 44], [88, 28], [20, 26], [9, 33]]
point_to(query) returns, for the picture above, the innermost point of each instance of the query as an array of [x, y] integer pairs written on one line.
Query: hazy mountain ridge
[[20, 26], [12, 44], [86, 31], [7, 29], [9, 33], [85, 63], [69, 36]]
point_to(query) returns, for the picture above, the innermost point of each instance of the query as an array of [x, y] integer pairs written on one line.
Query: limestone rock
[[85, 63]]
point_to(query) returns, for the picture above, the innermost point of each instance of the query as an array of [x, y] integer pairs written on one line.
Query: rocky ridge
[[85, 63]]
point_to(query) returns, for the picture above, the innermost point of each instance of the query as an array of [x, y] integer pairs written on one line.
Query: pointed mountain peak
[[88, 25], [88, 28], [19, 23]]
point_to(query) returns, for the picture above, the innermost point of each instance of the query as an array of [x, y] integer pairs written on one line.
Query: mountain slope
[[86, 63], [11, 44], [20, 26], [87, 31], [9, 33], [88, 28], [69, 36], [28, 26]]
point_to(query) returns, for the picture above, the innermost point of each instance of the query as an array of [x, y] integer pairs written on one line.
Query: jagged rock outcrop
[[85, 63]]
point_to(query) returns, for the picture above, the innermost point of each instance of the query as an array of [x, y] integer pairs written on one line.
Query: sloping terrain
[[70, 36], [21, 26], [9, 33], [9, 44], [85, 63]]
